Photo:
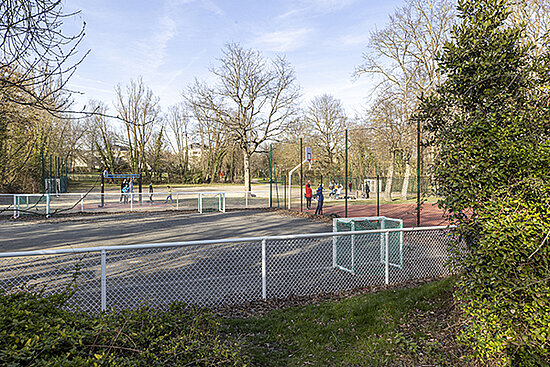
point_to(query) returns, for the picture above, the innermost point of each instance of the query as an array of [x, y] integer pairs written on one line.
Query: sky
[[169, 43]]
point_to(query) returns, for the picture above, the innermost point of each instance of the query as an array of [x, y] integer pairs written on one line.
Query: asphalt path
[[138, 228]]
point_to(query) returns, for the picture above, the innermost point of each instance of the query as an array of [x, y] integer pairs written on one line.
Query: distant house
[[85, 160], [195, 154]]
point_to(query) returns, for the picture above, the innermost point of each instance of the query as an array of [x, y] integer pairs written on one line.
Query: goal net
[[367, 252], [211, 201]]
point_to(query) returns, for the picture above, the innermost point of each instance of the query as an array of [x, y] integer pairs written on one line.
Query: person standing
[[126, 193], [169, 196], [367, 189], [320, 199], [122, 186], [131, 190], [309, 195], [151, 192]]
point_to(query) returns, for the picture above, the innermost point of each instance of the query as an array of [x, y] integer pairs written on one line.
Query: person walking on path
[[151, 193], [169, 196], [309, 195], [320, 198], [122, 186]]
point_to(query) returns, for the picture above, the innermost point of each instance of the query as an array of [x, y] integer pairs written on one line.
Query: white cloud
[[155, 47], [282, 41]]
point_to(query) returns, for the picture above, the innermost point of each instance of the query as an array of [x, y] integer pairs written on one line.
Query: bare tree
[[178, 122], [402, 57], [254, 98], [387, 125], [37, 58], [140, 112], [102, 137], [212, 131], [534, 17], [326, 118]]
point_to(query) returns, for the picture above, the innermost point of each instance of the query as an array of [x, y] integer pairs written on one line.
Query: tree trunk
[[389, 179], [406, 179], [246, 171]]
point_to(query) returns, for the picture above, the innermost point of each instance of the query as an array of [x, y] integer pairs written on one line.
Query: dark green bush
[[505, 290], [490, 125], [36, 330]]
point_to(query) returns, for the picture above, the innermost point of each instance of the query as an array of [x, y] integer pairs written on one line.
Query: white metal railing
[[48, 204], [225, 271]]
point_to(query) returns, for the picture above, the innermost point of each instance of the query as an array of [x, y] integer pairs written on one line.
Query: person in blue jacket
[[320, 199]]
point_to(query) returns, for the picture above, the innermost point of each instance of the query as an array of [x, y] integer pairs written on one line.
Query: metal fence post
[[264, 275], [200, 202], [47, 204], [103, 281], [246, 199], [82, 203], [15, 214], [223, 208], [177, 200], [334, 229], [353, 248], [387, 264]]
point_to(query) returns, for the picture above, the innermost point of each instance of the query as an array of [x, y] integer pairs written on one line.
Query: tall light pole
[[301, 177], [418, 163], [346, 178]]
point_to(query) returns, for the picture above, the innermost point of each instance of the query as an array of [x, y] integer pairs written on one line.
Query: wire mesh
[[51, 274], [226, 272]]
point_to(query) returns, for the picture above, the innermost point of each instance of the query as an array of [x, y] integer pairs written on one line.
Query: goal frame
[[384, 238]]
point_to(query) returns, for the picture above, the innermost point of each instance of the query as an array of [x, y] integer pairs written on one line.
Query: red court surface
[[430, 214]]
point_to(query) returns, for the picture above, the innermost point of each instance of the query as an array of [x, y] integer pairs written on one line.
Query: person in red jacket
[[309, 195]]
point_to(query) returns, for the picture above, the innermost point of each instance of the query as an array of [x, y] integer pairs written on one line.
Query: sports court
[[123, 260]]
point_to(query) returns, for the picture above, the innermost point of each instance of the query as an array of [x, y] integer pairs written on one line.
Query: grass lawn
[[403, 327]]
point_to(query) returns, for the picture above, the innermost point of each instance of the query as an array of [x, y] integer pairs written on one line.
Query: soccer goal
[[211, 202], [31, 204], [365, 253]]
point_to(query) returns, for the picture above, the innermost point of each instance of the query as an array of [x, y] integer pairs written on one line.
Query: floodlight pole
[[301, 178], [377, 191], [418, 162], [270, 175], [346, 178], [102, 190]]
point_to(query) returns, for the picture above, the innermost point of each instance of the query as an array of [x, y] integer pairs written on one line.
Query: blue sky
[[170, 42]]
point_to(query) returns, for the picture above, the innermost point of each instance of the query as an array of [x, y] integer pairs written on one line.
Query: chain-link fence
[[222, 272]]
